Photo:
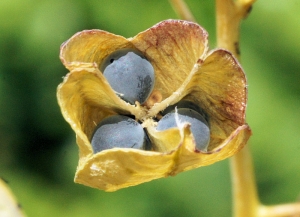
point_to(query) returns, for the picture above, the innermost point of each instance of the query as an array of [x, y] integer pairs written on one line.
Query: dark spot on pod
[[237, 48]]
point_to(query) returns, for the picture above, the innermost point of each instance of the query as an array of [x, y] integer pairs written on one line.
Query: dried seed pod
[[183, 70]]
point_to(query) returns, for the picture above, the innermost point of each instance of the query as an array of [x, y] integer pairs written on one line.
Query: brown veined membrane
[[184, 69]]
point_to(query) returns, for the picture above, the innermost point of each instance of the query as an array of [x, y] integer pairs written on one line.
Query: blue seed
[[185, 104], [119, 131], [199, 125], [130, 75]]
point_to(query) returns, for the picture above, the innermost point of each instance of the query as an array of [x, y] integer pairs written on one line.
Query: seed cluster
[[131, 76], [152, 105]]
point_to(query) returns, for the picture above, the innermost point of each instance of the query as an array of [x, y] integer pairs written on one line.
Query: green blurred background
[[38, 153]]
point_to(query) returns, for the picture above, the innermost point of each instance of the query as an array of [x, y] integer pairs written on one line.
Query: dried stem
[[245, 199], [182, 10], [282, 210], [229, 14]]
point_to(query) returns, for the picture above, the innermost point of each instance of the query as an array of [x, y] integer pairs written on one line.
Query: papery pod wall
[[184, 71]]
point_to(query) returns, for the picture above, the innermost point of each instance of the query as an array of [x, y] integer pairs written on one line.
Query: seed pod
[[183, 70]]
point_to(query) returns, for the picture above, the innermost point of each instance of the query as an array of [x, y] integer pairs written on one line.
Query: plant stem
[[229, 14], [291, 209], [245, 199], [182, 10]]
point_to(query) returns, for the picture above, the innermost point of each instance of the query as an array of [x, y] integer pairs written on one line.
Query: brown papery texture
[[184, 70]]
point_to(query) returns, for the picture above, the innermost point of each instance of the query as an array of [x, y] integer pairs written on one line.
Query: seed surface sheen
[[130, 75], [119, 131], [199, 125]]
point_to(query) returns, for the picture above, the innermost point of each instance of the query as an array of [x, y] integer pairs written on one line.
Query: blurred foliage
[[38, 154]]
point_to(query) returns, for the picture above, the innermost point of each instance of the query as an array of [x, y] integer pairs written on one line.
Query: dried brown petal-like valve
[[184, 70]]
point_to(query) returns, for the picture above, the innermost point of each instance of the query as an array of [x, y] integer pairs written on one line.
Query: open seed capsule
[[183, 70]]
